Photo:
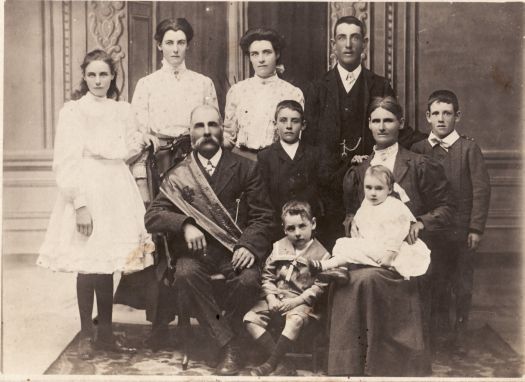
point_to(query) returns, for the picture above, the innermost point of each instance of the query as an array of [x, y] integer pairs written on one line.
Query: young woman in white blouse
[[162, 101], [97, 224], [251, 103]]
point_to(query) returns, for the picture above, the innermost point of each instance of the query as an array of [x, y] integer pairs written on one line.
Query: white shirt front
[[385, 157], [214, 160], [290, 149], [348, 78], [163, 101]]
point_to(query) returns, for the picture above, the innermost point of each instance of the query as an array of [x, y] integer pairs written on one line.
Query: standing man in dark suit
[[216, 211], [335, 111]]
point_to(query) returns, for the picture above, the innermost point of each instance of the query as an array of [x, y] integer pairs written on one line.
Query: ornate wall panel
[[107, 26], [359, 9]]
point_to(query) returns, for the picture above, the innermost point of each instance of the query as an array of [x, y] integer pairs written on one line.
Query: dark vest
[[351, 111]]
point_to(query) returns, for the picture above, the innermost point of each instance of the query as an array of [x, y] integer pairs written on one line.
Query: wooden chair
[[313, 340]]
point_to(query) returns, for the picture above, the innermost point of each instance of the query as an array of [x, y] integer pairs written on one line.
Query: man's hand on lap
[[242, 258]]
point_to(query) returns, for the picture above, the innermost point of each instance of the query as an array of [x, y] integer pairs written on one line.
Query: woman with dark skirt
[[379, 324]]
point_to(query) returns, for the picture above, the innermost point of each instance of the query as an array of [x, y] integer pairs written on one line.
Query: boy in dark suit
[[470, 186], [290, 167]]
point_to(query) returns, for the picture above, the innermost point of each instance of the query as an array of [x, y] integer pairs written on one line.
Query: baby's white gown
[[92, 141], [377, 229]]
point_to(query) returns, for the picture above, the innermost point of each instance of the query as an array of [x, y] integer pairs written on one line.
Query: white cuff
[[79, 201]]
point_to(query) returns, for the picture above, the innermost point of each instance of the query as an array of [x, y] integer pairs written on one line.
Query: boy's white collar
[[449, 140], [290, 148]]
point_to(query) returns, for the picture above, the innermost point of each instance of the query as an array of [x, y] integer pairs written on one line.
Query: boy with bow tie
[[469, 180], [290, 290]]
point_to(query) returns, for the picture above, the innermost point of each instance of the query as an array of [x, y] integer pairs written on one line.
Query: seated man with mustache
[[219, 218]]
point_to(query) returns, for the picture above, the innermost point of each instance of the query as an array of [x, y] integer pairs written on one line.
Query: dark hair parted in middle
[[388, 103], [178, 24], [98, 55], [289, 104], [262, 34]]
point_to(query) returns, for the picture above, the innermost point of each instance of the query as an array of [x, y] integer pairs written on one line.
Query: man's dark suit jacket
[[422, 178], [291, 179], [470, 184], [322, 110], [323, 127], [234, 178]]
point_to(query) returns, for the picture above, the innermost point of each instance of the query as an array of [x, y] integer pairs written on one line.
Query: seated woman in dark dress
[[378, 324]]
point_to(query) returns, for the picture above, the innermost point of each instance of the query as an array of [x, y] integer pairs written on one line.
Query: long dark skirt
[[377, 326]]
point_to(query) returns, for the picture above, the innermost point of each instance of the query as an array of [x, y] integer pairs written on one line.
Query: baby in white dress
[[378, 232]]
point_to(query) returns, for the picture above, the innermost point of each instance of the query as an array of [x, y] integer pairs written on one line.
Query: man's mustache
[[208, 139]]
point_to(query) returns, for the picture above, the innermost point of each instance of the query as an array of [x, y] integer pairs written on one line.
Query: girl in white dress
[[379, 229], [97, 224]]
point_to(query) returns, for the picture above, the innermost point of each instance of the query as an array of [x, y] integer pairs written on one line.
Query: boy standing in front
[[467, 174]]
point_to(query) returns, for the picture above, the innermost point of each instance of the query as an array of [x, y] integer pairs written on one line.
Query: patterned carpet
[[489, 356]]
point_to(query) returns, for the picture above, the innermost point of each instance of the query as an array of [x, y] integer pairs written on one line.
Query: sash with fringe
[[187, 188]]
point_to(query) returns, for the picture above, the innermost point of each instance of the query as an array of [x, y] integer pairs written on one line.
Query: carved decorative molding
[[106, 20], [339, 9], [67, 46]]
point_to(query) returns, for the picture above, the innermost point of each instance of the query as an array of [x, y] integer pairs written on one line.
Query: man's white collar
[[344, 73], [214, 159]]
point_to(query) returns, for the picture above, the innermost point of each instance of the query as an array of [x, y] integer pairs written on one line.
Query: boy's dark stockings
[[279, 351], [266, 342]]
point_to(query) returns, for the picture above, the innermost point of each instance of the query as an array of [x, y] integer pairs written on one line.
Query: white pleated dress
[[93, 139], [377, 229]]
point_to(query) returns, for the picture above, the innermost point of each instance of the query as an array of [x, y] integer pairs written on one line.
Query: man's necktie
[[210, 167]]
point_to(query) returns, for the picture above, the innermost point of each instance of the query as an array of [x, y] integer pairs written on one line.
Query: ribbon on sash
[[188, 189]]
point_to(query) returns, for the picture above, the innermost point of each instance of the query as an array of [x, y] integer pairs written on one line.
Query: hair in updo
[[178, 24], [262, 34]]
